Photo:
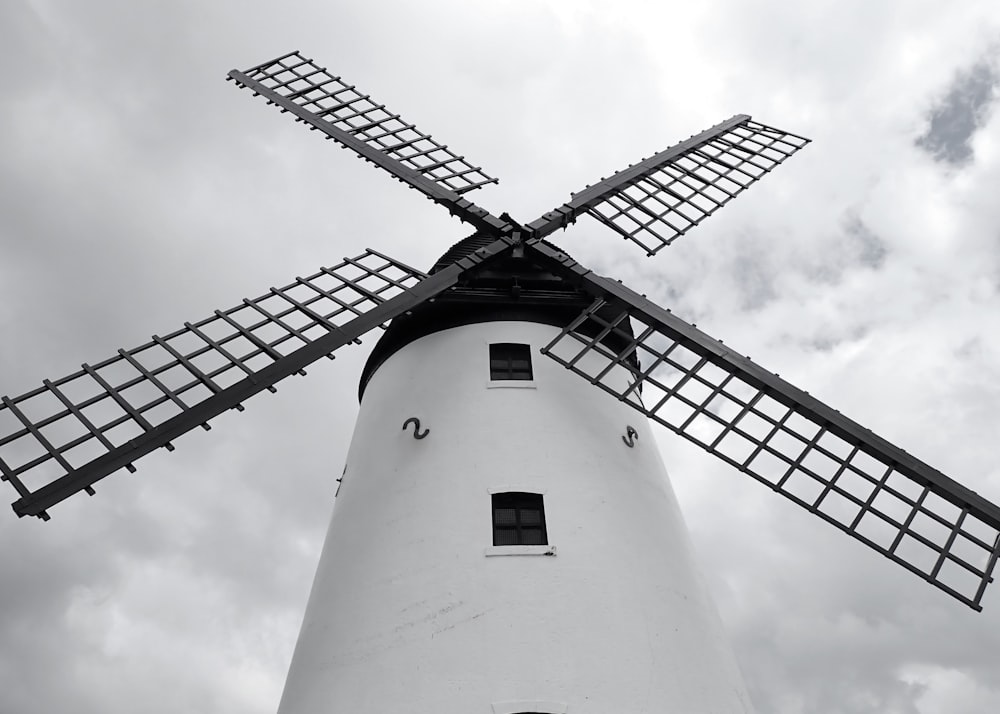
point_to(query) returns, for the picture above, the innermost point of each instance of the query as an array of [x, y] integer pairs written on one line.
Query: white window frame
[[509, 383]]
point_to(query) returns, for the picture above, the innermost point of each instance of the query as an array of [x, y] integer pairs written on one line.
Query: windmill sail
[[69, 433], [331, 105], [659, 199], [793, 443]]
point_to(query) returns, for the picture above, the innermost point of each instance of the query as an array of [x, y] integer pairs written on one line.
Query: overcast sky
[[139, 190]]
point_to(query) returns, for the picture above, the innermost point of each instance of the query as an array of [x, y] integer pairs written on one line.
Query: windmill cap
[[486, 296]]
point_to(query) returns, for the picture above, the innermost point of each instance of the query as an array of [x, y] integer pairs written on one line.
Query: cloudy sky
[[139, 190]]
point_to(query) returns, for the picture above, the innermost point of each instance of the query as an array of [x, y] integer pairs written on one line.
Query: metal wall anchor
[[417, 434], [633, 436]]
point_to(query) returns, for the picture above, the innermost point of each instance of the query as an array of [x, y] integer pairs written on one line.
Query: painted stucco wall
[[411, 611]]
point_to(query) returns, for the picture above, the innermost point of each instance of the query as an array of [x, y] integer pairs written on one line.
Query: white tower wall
[[414, 610]]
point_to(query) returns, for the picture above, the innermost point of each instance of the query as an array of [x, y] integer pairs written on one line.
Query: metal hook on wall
[[633, 436], [417, 434]]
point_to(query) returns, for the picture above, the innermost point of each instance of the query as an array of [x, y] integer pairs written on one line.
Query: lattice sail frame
[[340, 105], [659, 199], [798, 447], [664, 204], [88, 424]]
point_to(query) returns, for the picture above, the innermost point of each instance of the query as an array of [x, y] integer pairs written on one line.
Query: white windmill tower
[[505, 538]]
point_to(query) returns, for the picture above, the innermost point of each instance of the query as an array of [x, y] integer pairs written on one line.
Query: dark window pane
[[505, 516], [509, 360], [505, 536], [518, 519], [532, 536]]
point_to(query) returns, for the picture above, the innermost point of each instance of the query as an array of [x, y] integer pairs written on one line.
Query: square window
[[518, 519], [509, 360]]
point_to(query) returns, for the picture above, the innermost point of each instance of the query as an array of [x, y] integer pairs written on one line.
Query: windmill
[[504, 286]]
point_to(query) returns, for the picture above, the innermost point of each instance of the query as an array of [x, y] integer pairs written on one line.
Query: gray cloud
[[960, 113], [867, 247]]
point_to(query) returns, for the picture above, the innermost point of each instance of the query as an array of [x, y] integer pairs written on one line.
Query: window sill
[[519, 550], [511, 384]]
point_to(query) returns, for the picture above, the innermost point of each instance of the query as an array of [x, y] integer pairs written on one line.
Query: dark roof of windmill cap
[[464, 247], [510, 289]]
